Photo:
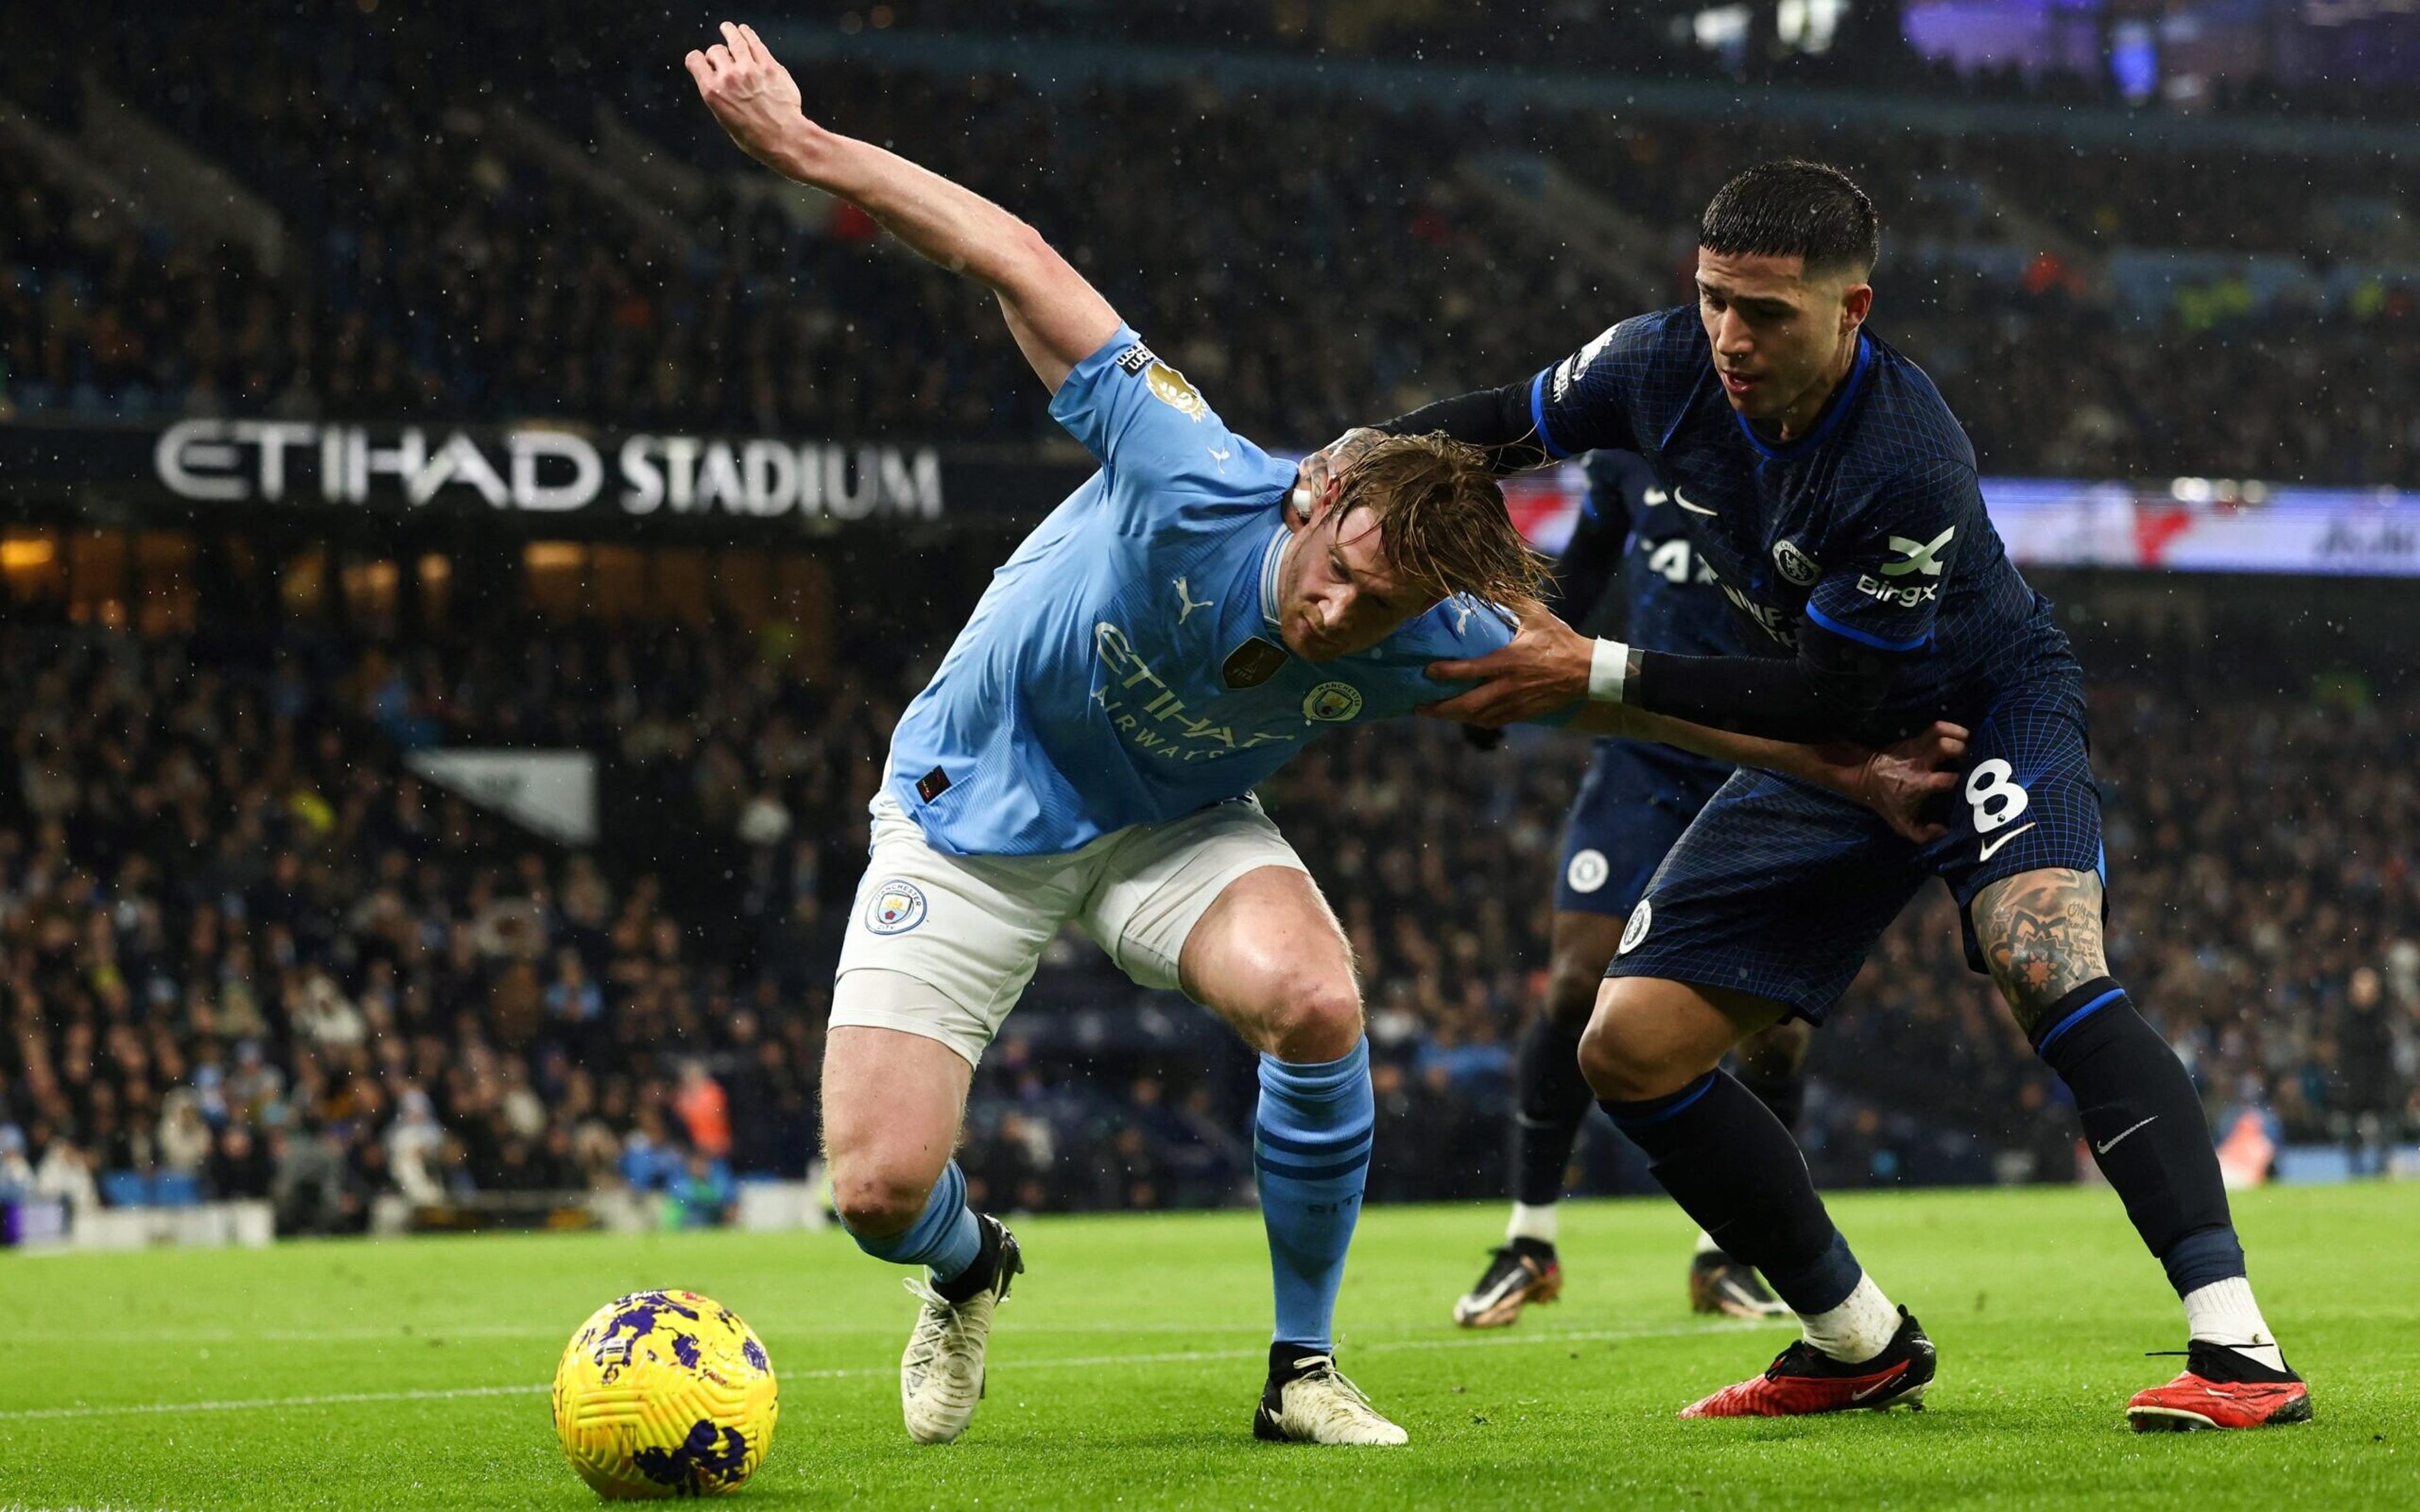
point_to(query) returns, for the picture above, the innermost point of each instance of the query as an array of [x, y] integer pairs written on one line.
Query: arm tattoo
[[2040, 933]]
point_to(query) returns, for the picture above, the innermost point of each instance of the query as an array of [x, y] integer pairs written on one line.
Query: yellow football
[[664, 1394]]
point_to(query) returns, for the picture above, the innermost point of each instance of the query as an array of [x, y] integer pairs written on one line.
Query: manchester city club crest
[[1331, 702], [895, 907]]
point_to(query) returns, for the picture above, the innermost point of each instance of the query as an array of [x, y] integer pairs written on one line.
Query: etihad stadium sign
[[543, 471]]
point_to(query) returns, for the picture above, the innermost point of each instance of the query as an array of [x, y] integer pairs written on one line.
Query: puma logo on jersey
[[1922, 556], [1186, 603], [1219, 454]]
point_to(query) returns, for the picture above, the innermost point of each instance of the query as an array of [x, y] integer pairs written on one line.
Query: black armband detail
[[1496, 419], [1828, 691], [1762, 696]]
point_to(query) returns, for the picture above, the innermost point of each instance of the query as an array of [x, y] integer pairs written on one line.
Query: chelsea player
[[1832, 493], [1629, 560], [1184, 623]]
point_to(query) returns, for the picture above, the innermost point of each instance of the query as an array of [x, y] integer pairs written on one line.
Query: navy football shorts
[[1780, 888], [1632, 807]]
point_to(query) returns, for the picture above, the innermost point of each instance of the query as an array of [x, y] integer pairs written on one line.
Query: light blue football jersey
[[1096, 684]]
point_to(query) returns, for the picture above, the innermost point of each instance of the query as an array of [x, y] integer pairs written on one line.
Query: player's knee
[[1313, 1016], [1624, 1059], [875, 1200]]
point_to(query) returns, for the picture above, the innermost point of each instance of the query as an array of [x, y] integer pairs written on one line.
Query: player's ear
[[1314, 494], [1857, 302]]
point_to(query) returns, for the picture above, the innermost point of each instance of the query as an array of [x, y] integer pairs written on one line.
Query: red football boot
[[1803, 1379], [2221, 1388]]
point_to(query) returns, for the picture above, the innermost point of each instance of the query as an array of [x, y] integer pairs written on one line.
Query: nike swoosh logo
[[1992, 847], [2103, 1150], [1861, 1395], [1683, 499]]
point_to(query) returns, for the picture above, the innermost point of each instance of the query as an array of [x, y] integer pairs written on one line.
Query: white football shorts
[[943, 946]]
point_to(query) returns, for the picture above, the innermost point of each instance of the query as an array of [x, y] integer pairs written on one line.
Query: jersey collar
[[1828, 422], [1271, 558]]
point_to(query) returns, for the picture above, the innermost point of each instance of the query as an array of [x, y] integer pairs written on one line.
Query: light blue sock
[[944, 1237], [1311, 1143]]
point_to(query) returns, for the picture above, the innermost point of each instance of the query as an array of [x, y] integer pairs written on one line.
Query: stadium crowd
[[439, 271], [245, 952]]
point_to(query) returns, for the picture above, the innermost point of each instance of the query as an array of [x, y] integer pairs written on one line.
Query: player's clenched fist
[[753, 98]]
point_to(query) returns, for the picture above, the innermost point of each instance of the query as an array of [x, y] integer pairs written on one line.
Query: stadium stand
[[248, 952], [2228, 310]]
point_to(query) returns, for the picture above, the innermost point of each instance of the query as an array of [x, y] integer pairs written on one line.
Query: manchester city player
[[1085, 754], [1629, 560], [1831, 491]]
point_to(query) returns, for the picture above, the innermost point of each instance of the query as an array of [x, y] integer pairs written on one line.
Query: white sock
[[1706, 1244], [1858, 1329], [2224, 1312], [1530, 1223]]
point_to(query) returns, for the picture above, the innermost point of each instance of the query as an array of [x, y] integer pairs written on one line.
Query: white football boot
[[941, 1374], [1307, 1400]]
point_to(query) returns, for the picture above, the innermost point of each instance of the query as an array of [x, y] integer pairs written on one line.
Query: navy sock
[[1731, 1164], [1554, 1101], [1784, 1095], [2146, 1129], [1312, 1145], [944, 1237]]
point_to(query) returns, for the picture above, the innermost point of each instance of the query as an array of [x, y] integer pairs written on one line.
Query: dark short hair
[[1796, 208]]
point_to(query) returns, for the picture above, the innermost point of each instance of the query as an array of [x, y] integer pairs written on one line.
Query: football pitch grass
[[411, 1374]]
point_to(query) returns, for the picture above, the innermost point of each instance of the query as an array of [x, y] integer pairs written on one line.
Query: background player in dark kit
[[1628, 569]]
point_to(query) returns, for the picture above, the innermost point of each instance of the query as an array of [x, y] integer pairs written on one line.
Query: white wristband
[[1608, 668]]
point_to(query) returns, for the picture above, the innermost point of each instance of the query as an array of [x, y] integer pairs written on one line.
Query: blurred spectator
[[702, 1193], [241, 1167], [62, 1174], [704, 1110], [16, 1174]]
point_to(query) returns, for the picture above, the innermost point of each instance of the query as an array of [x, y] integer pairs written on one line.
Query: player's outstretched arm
[[1898, 783], [1058, 318]]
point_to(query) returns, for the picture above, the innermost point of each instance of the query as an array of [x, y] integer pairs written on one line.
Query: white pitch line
[[252, 1403], [1093, 1362]]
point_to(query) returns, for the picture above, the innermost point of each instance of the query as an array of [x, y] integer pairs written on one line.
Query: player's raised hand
[[1545, 667], [753, 98], [1901, 782]]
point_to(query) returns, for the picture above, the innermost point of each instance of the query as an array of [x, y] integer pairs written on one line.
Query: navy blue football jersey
[[1670, 600], [1871, 525]]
